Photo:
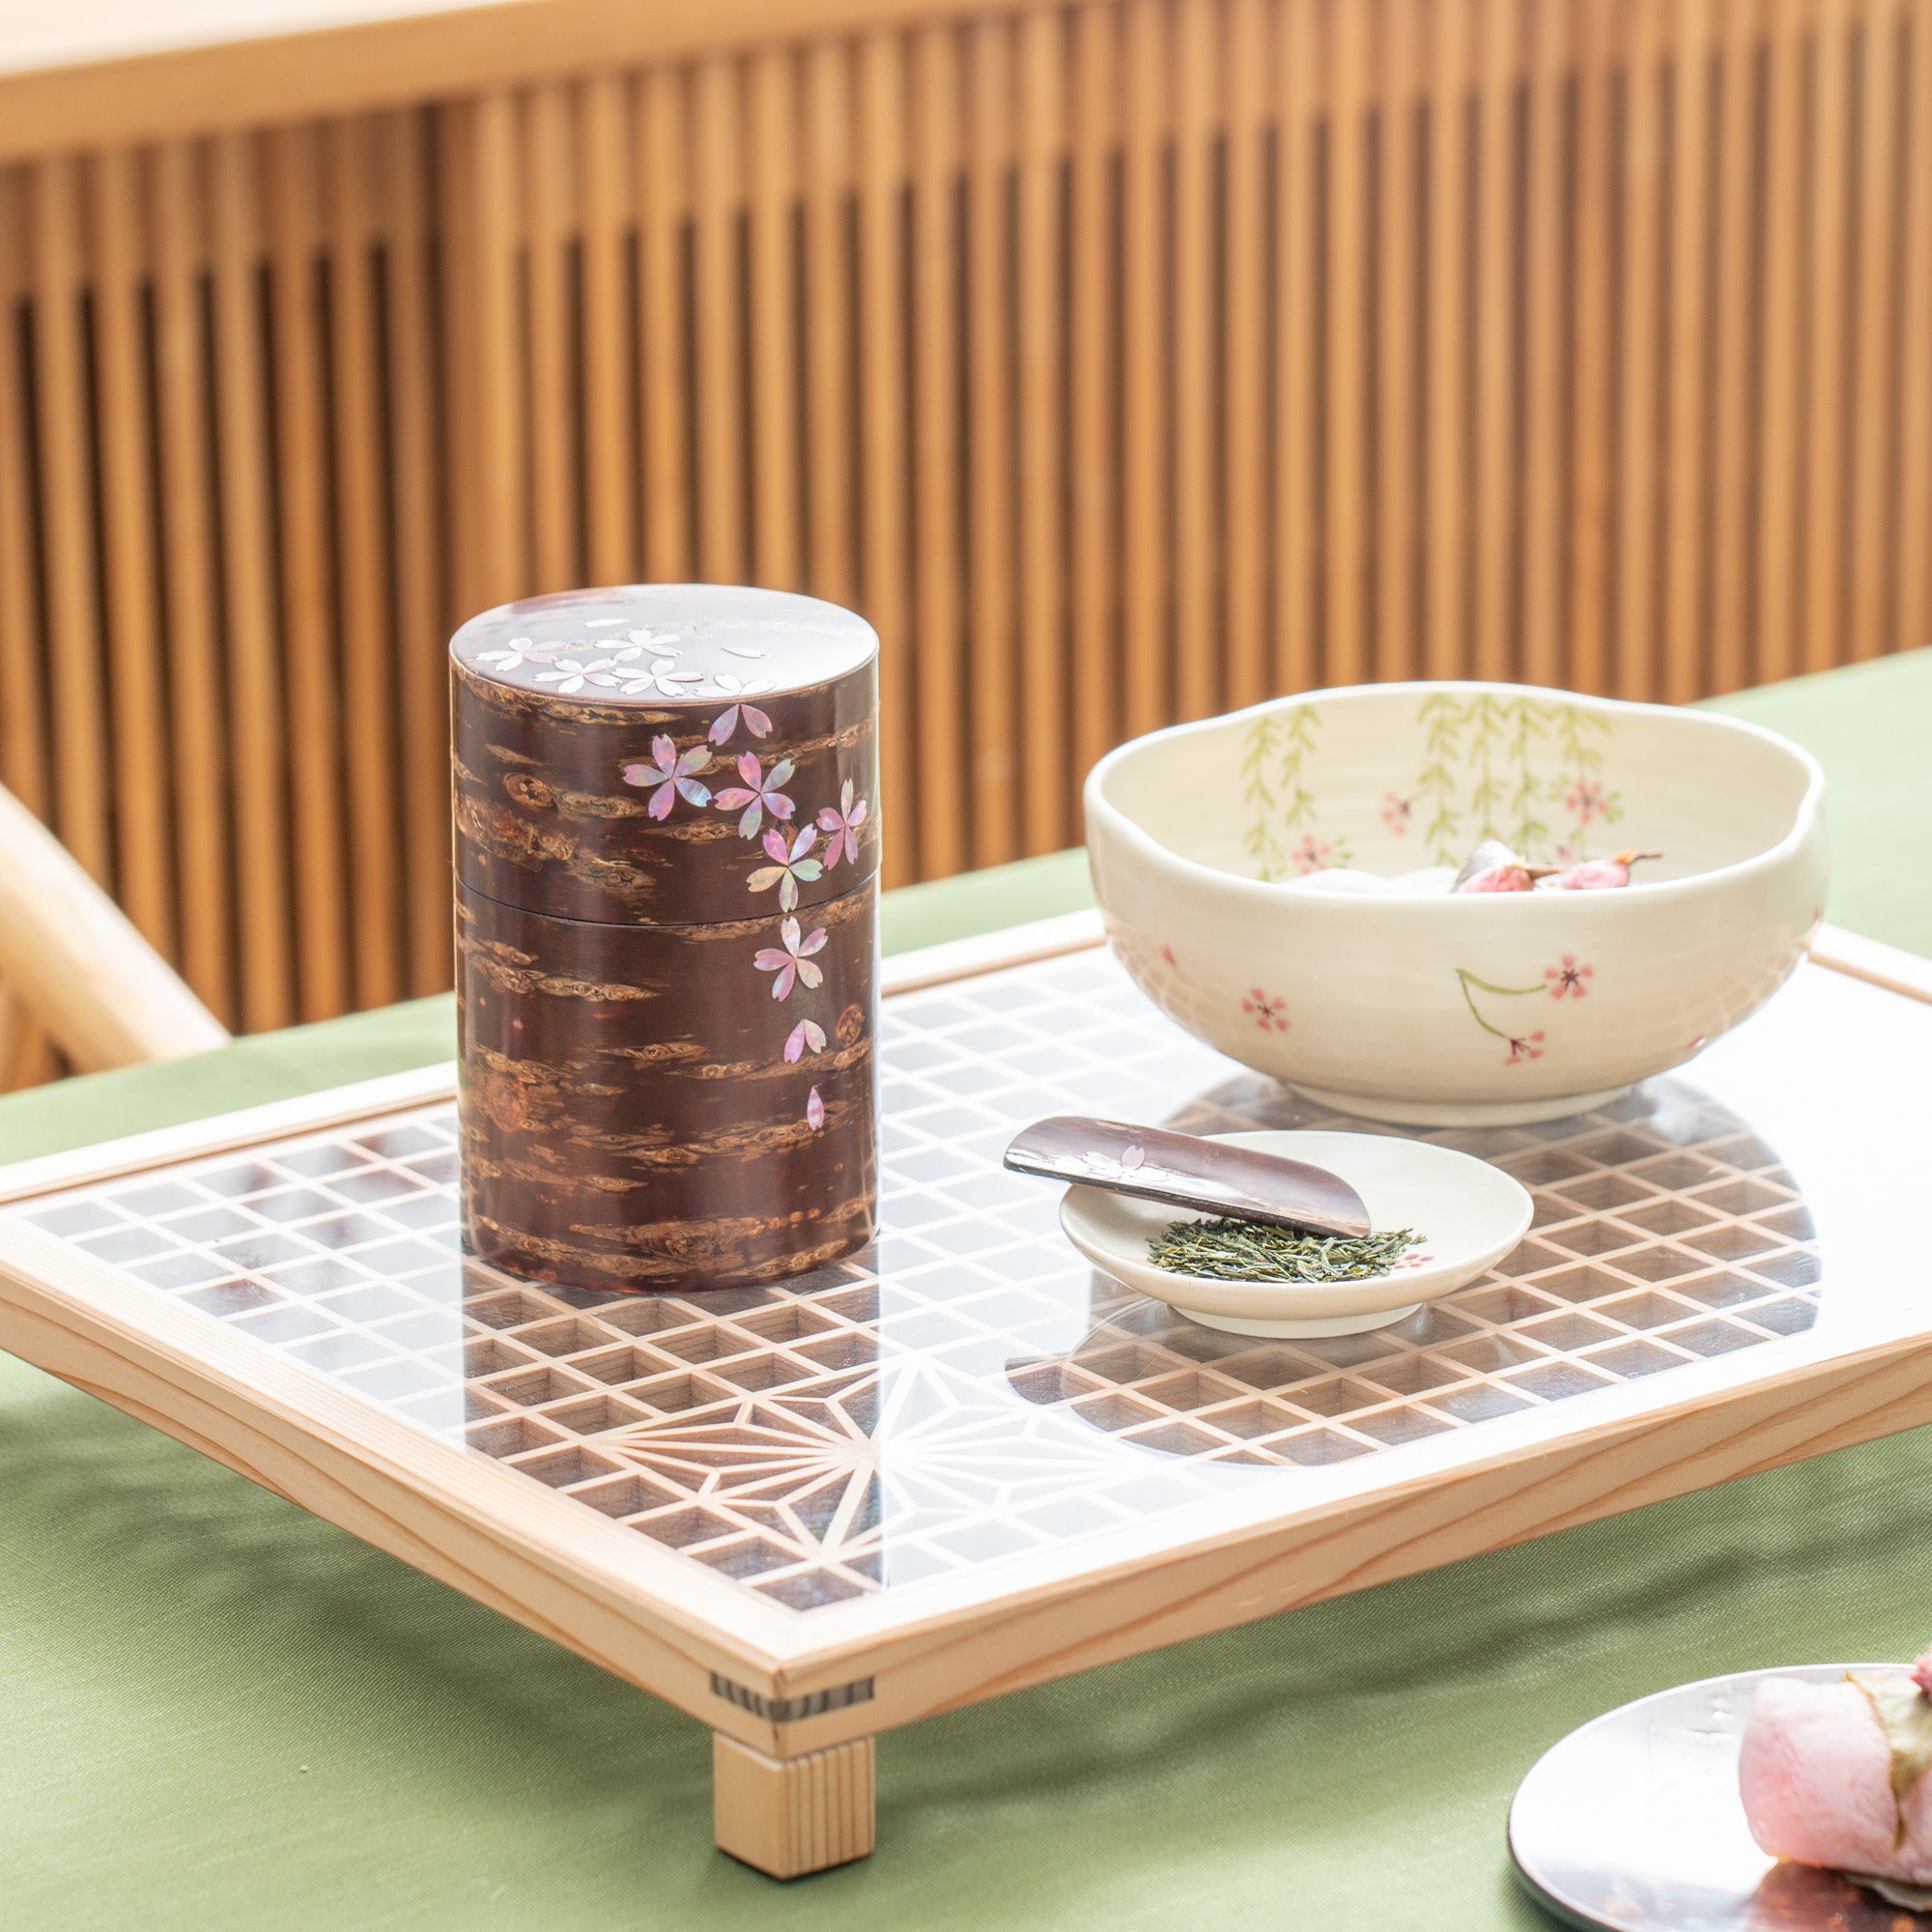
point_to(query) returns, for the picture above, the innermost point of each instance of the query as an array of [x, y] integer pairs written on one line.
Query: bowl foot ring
[[1457, 1113]]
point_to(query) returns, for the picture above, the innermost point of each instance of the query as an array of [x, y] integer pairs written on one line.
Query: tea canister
[[666, 933]]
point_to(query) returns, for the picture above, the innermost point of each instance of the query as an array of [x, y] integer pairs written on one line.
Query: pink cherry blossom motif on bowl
[[1270, 1013], [1212, 845]]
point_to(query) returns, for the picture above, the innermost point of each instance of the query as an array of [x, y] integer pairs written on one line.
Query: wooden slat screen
[[1122, 361]]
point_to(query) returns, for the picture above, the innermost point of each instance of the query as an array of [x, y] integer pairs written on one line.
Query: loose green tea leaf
[[1230, 1250], [1906, 1714]]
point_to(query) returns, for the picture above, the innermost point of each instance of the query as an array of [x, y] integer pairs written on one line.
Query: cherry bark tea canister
[[667, 858]]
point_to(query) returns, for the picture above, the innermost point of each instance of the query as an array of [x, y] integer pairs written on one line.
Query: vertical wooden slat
[[828, 319], [658, 109], [1685, 372], [66, 518], [142, 829], [305, 635], [882, 416], [488, 462], [1868, 629], [609, 513], [1045, 749], [1344, 658], [551, 360], [415, 498], [1736, 307], [992, 711], [26, 1054], [1544, 343], [717, 148], [1092, 479], [1297, 51], [23, 751], [1244, 443], [1196, 512], [257, 749], [1493, 655], [1912, 535], [1592, 438], [1633, 666], [772, 299], [1143, 311], [1780, 402], [938, 610], [1823, 387], [1398, 443], [194, 675], [1443, 653], [362, 525]]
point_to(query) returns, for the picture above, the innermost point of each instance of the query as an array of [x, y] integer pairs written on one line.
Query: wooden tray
[[963, 1462]]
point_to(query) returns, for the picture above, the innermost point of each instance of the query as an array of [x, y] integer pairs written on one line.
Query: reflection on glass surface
[[966, 1394], [1666, 1232], [1634, 1824]]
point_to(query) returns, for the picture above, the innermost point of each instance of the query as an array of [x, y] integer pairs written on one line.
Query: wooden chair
[[74, 969]]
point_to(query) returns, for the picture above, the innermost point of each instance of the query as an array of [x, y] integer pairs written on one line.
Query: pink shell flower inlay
[[790, 865], [726, 722], [843, 820], [793, 962], [808, 1035], [758, 794], [671, 775]]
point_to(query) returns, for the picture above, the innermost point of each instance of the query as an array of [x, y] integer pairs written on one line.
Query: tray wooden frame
[[791, 1691]]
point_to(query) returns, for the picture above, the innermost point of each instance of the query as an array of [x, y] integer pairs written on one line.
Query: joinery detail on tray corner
[[1121, 361]]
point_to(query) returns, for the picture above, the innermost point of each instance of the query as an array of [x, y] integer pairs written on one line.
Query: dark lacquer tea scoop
[[1185, 1171]]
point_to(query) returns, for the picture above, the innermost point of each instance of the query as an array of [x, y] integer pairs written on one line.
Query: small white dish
[[1470, 1213]]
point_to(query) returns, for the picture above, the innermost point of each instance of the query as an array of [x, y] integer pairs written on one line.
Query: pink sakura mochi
[[1815, 1776]]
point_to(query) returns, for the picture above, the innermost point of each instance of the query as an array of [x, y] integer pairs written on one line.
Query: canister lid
[[666, 754]]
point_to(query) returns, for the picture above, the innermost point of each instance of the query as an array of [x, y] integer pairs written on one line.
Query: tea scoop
[[1217, 1177]]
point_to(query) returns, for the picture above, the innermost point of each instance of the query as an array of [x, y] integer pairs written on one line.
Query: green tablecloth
[[218, 1713]]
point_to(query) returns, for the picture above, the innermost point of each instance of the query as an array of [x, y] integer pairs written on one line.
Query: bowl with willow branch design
[[1277, 881]]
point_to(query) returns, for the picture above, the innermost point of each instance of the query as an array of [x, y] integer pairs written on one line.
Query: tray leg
[[789, 1816]]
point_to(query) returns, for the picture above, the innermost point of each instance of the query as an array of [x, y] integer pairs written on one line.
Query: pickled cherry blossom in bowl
[[1208, 843]]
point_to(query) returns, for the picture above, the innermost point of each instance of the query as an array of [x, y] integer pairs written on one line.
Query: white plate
[[1633, 1823], [1472, 1214]]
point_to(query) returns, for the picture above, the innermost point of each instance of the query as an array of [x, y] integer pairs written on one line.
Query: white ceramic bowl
[[1469, 1008], [1470, 1214]]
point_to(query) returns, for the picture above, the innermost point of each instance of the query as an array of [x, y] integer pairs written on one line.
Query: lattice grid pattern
[[859, 1428]]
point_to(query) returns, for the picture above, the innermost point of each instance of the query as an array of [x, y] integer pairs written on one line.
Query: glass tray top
[[968, 1393]]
